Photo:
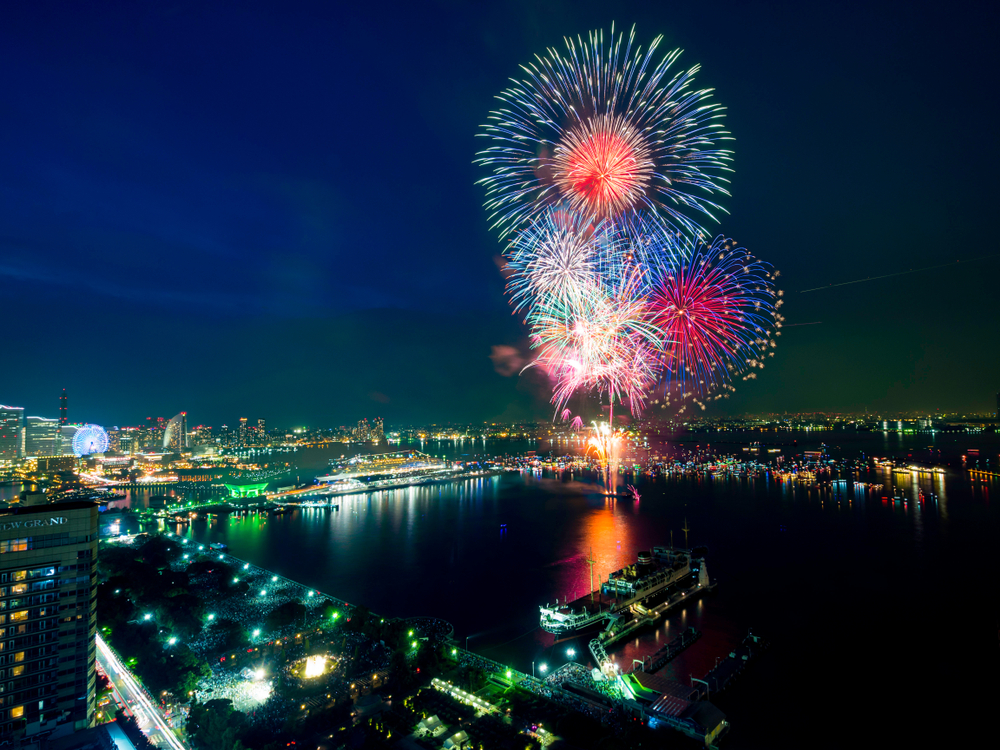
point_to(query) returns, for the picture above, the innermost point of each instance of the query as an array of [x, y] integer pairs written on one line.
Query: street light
[[570, 653], [147, 617]]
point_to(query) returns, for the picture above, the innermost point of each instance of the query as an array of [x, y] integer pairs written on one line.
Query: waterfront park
[[248, 658]]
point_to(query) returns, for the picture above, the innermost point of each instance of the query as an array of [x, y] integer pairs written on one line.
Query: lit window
[[19, 656], [17, 712], [17, 671], [20, 575], [21, 588], [19, 616]]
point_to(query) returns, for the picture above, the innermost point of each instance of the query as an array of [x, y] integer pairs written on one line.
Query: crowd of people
[[433, 628], [246, 693], [264, 593]]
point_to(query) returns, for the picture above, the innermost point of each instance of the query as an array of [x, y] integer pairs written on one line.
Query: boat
[[219, 546], [644, 582]]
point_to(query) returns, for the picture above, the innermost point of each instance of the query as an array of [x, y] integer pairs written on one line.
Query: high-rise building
[[64, 442], [998, 406], [175, 434], [62, 408], [128, 440], [11, 436], [48, 620], [41, 436]]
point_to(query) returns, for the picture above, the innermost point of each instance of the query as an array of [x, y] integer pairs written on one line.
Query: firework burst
[[601, 340], [718, 318], [607, 129], [560, 256]]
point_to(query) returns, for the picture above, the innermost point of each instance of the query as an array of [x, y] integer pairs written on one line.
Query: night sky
[[269, 210]]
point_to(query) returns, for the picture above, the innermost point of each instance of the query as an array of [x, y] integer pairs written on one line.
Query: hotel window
[[19, 575], [19, 616], [17, 671], [17, 712], [21, 588], [19, 656]]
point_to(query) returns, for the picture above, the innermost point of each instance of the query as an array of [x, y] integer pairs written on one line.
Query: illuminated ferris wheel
[[90, 438]]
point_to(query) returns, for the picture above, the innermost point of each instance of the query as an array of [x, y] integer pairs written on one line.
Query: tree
[[284, 615], [214, 725], [234, 635]]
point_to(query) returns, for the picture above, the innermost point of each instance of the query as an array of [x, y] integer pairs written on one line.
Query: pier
[[618, 628], [668, 652], [727, 670]]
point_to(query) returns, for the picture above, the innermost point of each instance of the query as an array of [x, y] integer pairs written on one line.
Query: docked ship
[[645, 582]]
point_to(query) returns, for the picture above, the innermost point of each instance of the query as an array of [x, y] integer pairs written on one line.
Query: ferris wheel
[[90, 438]]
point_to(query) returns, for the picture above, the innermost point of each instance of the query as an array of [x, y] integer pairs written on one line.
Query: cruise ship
[[644, 582]]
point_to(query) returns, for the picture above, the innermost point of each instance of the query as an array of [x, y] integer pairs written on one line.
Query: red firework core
[[602, 166]]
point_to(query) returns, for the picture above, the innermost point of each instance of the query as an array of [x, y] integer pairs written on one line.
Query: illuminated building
[[175, 433], [365, 432], [11, 436], [64, 443], [254, 489], [48, 619], [127, 440], [62, 409], [41, 436], [202, 435], [153, 437], [56, 464]]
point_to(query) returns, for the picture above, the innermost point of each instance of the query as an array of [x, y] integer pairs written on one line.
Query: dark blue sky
[[263, 209]]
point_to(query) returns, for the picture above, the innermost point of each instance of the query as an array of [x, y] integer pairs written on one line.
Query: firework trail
[[603, 444], [608, 129], [718, 317]]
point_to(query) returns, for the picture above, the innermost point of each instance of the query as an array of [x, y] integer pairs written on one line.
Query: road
[[129, 693]]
